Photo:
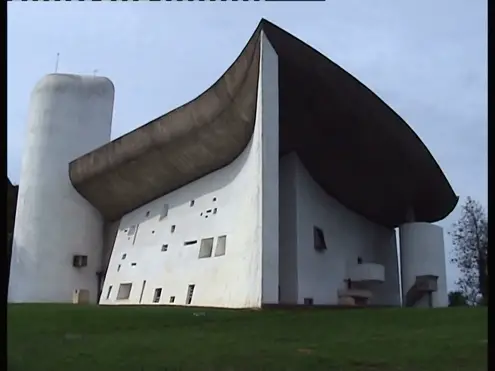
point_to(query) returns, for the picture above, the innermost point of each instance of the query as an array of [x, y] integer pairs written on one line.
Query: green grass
[[90, 338]]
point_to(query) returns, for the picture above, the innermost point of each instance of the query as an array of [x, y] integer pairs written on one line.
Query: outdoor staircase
[[424, 285]]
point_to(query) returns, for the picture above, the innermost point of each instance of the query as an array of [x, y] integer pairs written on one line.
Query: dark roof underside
[[357, 149]]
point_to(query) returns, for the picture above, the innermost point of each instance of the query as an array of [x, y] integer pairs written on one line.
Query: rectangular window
[[124, 256], [133, 264], [190, 291], [124, 291], [187, 243], [157, 296], [191, 204], [172, 229], [164, 212], [172, 299], [221, 245], [109, 292], [308, 301], [319, 239], [79, 261], [206, 248], [164, 247]]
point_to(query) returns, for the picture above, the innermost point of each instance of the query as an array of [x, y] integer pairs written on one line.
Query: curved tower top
[[69, 115]]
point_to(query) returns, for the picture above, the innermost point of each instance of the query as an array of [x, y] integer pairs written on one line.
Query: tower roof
[[354, 146]]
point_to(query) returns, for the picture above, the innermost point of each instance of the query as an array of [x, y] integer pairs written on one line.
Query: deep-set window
[[319, 239]]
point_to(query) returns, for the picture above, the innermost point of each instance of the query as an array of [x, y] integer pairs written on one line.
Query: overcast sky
[[426, 58]]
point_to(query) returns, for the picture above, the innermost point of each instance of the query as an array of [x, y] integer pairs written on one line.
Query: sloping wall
[[224, 203], [165, 251], [347, 236]]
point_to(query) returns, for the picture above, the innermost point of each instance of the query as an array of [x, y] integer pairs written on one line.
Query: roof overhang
[[355, 146]]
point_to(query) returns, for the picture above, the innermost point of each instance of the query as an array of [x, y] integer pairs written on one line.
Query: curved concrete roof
[[356, 147]]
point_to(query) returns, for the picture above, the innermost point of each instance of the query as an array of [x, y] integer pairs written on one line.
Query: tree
[[470, 240], [457, 299]]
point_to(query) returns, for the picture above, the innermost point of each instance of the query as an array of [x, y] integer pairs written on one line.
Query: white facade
[[422, 252], [239, 201], [306, 273], [240, 237], [69, 116]]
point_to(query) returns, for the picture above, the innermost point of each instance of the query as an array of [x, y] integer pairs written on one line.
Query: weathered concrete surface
[[357, 148]]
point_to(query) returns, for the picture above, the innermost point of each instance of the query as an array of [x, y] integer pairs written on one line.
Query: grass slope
[[91, 338]]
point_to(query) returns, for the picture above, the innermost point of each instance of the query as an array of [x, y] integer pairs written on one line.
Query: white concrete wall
[[347, 236], [422, 252], [267, 116], [68, 116], [243, 214], [288, 275]]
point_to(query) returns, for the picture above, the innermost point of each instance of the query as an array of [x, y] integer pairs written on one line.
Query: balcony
[[367, 272]]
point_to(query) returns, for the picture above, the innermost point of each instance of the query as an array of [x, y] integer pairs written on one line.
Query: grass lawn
[[91, 338]]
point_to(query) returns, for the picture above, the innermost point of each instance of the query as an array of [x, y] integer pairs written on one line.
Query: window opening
[[205, 248], [190, 291], [319, 240], [157, 296], [124, 291], [221, 245], [109, 292]]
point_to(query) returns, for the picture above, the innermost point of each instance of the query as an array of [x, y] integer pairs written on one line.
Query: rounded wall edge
[[69, 115], [422, 252], [63, 81]]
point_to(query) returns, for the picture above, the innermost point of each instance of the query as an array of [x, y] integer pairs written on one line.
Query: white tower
[[69, 116], [422, 253]]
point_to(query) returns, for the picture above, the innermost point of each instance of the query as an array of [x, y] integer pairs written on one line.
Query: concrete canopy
[[356, 147]]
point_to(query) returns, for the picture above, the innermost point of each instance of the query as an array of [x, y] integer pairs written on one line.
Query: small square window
[[214, 199], [172, 299], [164, 247], [308, 301], [124, 256], [191, 204], [124, 291]]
